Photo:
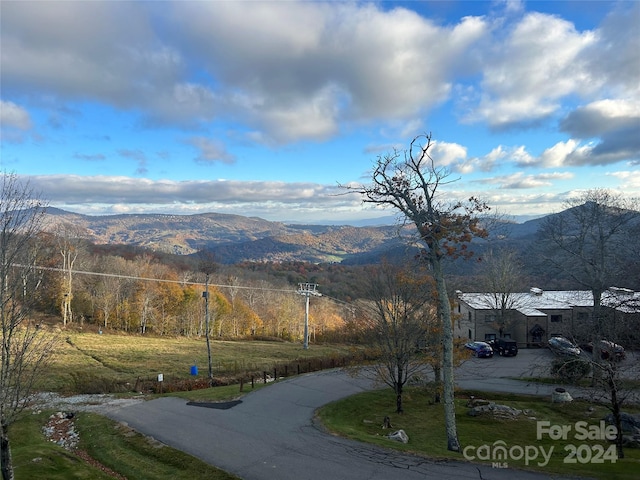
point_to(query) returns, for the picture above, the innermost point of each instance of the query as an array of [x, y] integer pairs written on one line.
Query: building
[[531, 318]]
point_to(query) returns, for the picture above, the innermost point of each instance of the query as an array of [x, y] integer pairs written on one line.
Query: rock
[[399, 436], [631, 441], [560, 395], [496, 410], [629, 423], [477, 402]]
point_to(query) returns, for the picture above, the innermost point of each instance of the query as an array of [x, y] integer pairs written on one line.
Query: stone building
[[531, 318]]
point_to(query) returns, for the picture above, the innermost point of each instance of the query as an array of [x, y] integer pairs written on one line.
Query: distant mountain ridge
[[233, 238]]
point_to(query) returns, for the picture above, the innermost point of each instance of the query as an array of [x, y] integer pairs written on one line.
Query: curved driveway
[[271, 435]]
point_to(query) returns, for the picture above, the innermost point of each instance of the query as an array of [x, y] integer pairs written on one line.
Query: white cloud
[[629, 180], [519, 180], [72, 189], [296, 71], [14, 116], [598, 117], [447, 154], [612, 60], [556, 155], [528, 72], [277, 201]]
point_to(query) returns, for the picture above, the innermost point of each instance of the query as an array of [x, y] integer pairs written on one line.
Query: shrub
[[571, 370]]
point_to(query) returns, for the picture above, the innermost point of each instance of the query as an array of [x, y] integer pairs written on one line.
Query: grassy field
[[361, 417], [93, 363]]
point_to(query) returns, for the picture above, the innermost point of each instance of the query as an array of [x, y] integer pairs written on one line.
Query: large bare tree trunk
[[448, 381], [411, 183], [5, 455]]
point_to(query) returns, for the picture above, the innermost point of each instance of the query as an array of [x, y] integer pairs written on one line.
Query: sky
[[271, 108]]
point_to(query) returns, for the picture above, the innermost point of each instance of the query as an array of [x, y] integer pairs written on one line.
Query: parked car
[[608, 350], [480, 349], [504, 347], [562, 346]]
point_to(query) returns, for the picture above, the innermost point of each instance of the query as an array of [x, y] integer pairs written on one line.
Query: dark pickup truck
[[504, 347]]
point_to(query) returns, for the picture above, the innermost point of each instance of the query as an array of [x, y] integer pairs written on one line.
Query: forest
[[138, 290]]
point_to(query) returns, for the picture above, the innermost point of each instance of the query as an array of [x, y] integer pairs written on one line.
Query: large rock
[[560, 395], [631, 441], [496, 410], [629, 423], [399, 436]]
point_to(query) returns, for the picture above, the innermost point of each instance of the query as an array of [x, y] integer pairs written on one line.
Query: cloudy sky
[[263, 108]]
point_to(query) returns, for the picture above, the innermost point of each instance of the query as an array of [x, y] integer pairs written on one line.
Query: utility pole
[[205, 294], [307, 289]]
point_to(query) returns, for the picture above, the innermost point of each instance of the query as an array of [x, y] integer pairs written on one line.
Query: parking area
[[531, 362]]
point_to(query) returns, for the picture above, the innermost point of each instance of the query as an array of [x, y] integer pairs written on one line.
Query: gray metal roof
[[531, 303]]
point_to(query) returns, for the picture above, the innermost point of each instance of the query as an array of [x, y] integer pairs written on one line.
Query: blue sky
[[264, 108]]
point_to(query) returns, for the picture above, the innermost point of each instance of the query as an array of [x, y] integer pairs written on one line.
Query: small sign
[[160, 377]]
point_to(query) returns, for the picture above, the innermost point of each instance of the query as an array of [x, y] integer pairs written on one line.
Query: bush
[[570, 370]]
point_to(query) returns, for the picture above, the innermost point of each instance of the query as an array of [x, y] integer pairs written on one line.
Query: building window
[[556, 318], [489, 318], [489, 336]]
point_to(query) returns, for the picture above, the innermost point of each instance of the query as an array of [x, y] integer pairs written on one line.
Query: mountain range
[[235, 238]]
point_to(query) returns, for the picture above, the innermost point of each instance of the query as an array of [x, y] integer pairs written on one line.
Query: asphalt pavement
[[271, 433]]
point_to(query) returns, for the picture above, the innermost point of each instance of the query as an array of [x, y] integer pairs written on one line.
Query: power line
[[179, 282], [151, 279]]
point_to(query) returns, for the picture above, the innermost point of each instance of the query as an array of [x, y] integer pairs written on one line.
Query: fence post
[[264, 376], [252, 385], [275, 374], [241, 383]]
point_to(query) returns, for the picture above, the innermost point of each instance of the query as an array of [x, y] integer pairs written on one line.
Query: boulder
[[631, 441], [496, 410], [399, 436], [629, 423], [560, 395]]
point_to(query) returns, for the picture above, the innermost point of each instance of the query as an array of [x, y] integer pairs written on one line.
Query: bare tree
[[590, 242], [69, 240], [25, 347], [398, 315], [411, 184], [501, 279]]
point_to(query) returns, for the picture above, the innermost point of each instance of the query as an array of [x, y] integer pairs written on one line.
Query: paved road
[[271, 434]]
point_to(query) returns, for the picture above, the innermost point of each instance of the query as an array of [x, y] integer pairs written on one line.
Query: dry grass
[[96, 363]]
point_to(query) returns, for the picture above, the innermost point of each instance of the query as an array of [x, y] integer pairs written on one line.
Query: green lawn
[[130, 454], [361, 417]]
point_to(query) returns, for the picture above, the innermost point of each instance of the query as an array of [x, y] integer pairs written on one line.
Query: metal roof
[[531, 303]]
